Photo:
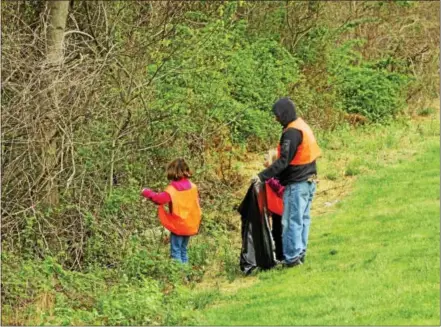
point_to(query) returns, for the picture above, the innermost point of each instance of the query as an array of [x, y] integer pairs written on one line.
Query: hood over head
[[285, 111]]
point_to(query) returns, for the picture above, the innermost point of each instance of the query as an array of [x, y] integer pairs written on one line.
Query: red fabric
[[158, 198], [273, 201], [164, 197], [181, 185], [276, 186]]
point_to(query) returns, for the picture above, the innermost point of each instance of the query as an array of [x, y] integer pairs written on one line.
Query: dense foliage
[[140, 83]]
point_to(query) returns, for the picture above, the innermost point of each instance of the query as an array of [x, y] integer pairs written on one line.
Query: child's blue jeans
[[178, 247]]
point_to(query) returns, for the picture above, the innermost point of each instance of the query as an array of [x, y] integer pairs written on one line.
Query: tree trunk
[[58, 11], [57, 18]]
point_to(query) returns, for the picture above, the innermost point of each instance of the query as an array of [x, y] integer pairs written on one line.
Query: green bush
[[365, 88], [230, 79], [43, 292], [125, 305], [377, 95]]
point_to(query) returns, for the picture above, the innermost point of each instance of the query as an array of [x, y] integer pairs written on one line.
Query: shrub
[[365, 88]]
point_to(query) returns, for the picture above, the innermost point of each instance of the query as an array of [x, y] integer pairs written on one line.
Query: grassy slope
[[386, 266], [327, 298]]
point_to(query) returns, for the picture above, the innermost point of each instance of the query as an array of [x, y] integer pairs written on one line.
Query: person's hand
[[266, 161], [256, 179], [146, 192]]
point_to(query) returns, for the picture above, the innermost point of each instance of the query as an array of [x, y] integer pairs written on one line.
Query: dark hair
[[178, 169]]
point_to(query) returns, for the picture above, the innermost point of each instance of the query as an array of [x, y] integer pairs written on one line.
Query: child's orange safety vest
[[184, 216]]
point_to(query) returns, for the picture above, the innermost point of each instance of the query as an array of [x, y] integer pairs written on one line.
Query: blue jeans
[[296, 219], [178, 247]]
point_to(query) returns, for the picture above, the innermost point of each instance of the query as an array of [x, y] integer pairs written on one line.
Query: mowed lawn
[[375, 261]]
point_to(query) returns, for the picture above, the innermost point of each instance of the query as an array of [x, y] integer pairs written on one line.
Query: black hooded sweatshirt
[[284, 109]]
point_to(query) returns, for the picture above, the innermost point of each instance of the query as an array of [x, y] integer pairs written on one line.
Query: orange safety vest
[[184, 217], [274, 203], [308, 150]]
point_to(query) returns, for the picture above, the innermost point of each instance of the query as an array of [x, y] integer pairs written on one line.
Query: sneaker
[[295, 263], [278, 263], [303, 259]]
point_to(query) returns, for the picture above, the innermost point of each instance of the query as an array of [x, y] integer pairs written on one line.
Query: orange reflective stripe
[[185, 216], [308, 150]]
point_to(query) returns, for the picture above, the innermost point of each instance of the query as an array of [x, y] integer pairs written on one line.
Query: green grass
[[375, 261], [426, 111]]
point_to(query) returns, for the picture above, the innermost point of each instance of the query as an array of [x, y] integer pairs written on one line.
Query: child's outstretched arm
[[158, 198]]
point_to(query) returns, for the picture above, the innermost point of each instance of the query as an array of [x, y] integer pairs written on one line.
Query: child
[[278, 189], [184, 216]]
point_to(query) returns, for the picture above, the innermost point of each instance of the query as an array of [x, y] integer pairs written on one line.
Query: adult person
[[296, 169]]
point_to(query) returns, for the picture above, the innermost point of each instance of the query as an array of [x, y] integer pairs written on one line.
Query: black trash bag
[[277, 235], [257, 242]]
